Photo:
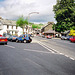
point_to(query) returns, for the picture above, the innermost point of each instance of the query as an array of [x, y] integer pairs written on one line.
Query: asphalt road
[[64, 47], [33, 59]]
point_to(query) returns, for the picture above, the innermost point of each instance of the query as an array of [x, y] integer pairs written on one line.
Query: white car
[[63, 37]]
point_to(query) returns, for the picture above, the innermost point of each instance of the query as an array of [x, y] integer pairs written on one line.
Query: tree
[[22, 22], [64, 14], [36, 26]]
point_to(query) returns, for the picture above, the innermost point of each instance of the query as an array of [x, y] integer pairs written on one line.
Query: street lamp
[[29, 16]]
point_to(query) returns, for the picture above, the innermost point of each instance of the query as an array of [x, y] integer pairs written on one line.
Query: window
[[7, 26], [12, 27], [16, 27]]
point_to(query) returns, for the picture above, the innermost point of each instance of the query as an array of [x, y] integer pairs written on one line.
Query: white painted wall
[[20, 31], [14, 27]]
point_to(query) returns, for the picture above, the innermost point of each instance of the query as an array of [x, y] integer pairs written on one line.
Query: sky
[[13, 9]]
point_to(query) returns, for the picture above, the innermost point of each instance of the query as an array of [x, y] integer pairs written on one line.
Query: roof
[[8, 22], [49, 23], [50, 31]]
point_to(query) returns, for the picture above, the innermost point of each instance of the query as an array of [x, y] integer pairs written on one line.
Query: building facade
[[9, 26], [47, 27]]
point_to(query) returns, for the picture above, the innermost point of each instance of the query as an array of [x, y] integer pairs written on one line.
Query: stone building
[[47, 27]]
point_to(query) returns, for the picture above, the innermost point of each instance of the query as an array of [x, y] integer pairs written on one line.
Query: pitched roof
[[50, 31], [8, 22]]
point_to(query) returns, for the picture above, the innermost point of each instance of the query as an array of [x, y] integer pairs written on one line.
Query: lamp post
[[29, 16]]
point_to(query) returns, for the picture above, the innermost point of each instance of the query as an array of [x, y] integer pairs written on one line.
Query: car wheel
[[27, 41], [6, 43], [11, 41], [17, 41], [24, 41]]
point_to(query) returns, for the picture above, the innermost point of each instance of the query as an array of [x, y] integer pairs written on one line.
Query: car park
[[3, 40], [24, 38], [72, 39]]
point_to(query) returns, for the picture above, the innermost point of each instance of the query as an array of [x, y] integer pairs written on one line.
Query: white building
[[9, 26]]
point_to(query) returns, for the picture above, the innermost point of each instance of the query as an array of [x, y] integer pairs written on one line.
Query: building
[[9, 26], [47, 30], [47, 27]]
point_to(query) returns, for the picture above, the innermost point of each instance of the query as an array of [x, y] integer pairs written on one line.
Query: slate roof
[[7, 22], [50, 31]]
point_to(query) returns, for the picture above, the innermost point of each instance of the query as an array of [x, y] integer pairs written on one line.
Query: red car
[[72, 39], [49, 37], [3, 40]]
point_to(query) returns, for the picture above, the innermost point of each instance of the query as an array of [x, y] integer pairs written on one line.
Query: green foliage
[[36, 26], [64, 14], [20, 22]]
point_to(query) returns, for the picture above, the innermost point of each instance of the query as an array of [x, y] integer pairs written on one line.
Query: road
[[64, 47], [33, 59]]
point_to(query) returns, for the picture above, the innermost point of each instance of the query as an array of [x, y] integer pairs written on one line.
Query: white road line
[[33, 62], [9, 46], [47, 47], [36, 51], [71, 58]]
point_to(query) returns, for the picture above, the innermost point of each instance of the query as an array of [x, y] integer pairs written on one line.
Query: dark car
[[72, 39], [12, 38], [24, 38], [3, 40]]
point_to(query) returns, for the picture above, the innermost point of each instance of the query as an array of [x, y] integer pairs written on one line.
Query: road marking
[[33, 62], [46, 48], [43, 40], [9, 46], [36, 51], [53, 50], [72, 58]]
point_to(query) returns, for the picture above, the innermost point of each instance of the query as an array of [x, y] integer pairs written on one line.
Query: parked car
[[24, 38], [7, 35], [12, 38], [48, 37], [3, 40], [63, 38], [43, 36], [72, 39], [68, 37]]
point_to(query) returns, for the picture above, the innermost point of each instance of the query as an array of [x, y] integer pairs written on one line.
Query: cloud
[[12, 9]]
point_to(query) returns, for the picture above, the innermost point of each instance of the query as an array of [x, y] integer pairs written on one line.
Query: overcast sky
[[12, 9]]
